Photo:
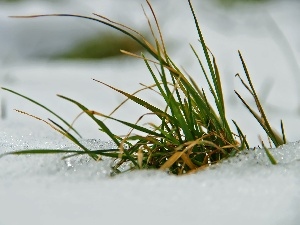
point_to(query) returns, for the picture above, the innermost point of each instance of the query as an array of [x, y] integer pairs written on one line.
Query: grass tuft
[[193, 133]]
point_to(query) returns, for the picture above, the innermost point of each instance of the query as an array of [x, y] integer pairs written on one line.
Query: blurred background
[[69, 38], [49, 55]]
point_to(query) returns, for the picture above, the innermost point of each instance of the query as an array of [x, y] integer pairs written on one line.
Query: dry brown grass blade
[[140, 156], [158, 28], [75, 119], [153, 35], [38, 118], [120, 24], [138, 56], [127, 99], [171, 160], [128, 28], [201, 168], [188, 161]]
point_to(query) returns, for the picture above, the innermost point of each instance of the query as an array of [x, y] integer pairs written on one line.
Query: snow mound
[[44, 189]]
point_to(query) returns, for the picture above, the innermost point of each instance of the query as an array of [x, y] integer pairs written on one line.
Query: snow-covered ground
[[47, 190], [244, 190]]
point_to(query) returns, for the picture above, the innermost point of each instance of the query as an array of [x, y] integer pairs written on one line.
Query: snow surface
[[47, 190], [242, 190]]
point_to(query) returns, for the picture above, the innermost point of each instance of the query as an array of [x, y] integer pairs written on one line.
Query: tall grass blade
[[262, 118]]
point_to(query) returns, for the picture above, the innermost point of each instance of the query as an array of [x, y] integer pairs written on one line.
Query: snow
[[47, 190], [243, 190]]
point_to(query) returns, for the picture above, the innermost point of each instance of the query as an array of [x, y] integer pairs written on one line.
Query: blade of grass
[[282, 132], [74, 140], [42, 106], [143, 103], [99, 122], [108, 23], [270, 156], [263, 119]]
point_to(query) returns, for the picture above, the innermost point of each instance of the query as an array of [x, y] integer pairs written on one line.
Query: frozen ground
[[245, 190]]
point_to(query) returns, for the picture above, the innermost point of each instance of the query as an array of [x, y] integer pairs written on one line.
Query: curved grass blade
[[44, 107], [108, 23], [242, 137]]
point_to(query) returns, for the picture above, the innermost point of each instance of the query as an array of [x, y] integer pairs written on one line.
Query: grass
[[193, 133]]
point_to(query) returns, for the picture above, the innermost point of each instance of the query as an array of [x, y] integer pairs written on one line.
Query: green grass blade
[[153, 109], [259, 120], [176, 107], [242, 137], [158, 84], [42, 106], [99, 122], [205, 74], [270, 156], [282, 132], [202, 40], [74, 140], [135, 126], [218, 87], [40, 151], [263, 120]]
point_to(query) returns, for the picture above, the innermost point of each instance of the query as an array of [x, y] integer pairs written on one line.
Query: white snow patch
[[47, 190]]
